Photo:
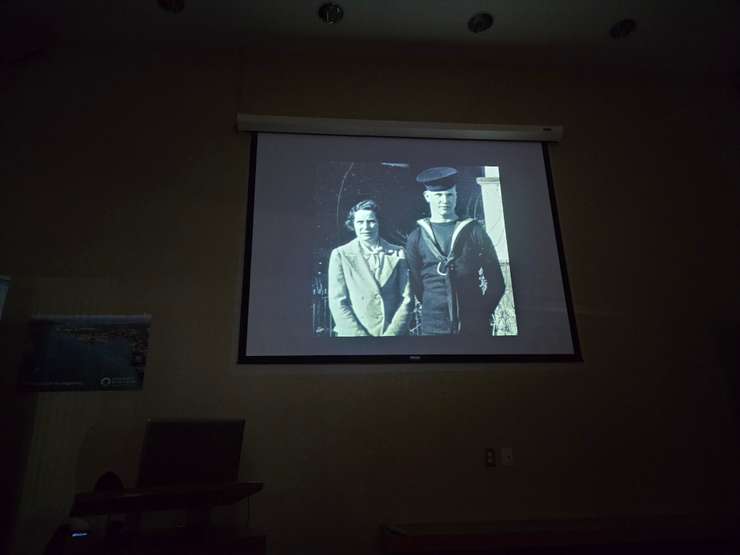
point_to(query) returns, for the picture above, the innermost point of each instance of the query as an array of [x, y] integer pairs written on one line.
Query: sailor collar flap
[[427, 227], [445, 264]]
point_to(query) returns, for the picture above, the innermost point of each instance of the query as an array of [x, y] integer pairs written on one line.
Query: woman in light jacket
[[369, 291]]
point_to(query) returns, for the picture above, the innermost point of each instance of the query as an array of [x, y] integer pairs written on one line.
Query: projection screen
[[369, 248]]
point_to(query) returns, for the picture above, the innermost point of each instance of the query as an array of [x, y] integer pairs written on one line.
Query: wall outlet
[[507, 456], [490, 457]]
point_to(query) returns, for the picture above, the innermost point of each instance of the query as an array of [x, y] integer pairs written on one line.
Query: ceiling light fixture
[[622, 29], [172, 6], [480, 22], [331, 13]]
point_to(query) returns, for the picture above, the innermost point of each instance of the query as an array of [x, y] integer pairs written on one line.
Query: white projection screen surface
[[456, 257]]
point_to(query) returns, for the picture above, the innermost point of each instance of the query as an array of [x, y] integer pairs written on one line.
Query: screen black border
[[243, 358]]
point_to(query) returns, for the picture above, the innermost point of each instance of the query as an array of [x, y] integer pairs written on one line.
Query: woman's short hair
[[362, 205]]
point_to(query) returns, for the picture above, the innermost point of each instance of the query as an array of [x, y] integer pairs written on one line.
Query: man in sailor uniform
[[454, 270]]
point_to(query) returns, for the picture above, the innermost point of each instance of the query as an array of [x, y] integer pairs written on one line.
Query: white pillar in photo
[[493, 210]]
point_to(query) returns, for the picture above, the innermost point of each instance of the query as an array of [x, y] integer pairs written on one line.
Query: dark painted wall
[[123, 186]]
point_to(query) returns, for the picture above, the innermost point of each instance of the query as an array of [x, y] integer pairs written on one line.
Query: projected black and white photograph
[[396, 249], [402, 250]]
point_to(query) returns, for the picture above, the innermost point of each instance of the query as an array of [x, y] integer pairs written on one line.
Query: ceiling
[[698, 35]]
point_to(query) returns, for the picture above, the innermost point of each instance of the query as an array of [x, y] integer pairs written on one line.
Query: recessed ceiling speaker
[[172, 6], [480, 22], [331, 13], [623, 28]]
